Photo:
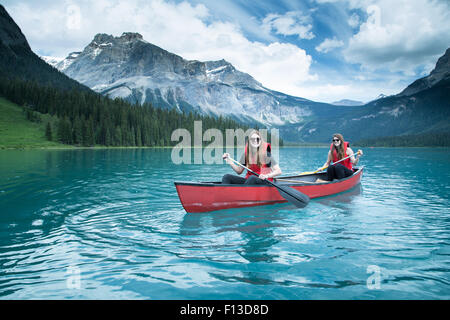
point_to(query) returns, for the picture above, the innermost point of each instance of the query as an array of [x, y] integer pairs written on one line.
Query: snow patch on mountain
[[119, 92], [64, 64], [216, 69], [364, 117], [53, 61], [395, 112]]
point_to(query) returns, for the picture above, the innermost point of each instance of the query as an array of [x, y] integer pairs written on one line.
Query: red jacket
[[264, 169], [347, 162]]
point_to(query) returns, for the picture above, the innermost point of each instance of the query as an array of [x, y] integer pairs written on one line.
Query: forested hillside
[[87, 118]]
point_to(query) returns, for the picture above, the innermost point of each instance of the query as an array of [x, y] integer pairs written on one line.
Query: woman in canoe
[[340, 149], [257, 157]]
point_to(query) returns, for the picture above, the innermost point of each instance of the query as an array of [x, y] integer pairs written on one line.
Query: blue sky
[[323, 50]]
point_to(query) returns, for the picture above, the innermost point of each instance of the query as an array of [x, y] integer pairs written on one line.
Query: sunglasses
[[255, 139], [336, 140]]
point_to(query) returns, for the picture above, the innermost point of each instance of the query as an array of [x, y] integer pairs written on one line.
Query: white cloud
[[182, 28], [400, 36], [329, 44], [354, 20], [356, 89], [289, 24]]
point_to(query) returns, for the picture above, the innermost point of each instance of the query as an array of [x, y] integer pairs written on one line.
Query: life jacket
[[264, 169], [347, 162]]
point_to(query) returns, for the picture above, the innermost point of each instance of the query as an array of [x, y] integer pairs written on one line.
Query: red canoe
[[211, 196]]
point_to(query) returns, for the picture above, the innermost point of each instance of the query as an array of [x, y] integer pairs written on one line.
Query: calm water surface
[[108, 224]]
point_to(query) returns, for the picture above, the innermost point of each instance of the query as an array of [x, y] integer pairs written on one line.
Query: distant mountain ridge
[[422, 108], [347, 102]]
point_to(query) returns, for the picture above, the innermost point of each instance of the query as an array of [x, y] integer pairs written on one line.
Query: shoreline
[[69, 147]]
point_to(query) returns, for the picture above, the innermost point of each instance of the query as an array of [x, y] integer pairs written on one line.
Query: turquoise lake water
[[108, 224]]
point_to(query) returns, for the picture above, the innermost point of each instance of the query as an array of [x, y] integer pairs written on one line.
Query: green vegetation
[[419, 140], [50, 107], [85, 118], [18, 132], [72, 114]]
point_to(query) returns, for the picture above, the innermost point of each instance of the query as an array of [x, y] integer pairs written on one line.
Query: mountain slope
[[17, 60], [439, 73], [18, 132], [423, 112]]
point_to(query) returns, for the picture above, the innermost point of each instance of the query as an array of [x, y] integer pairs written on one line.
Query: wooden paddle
[[323, 168], [295, 197]]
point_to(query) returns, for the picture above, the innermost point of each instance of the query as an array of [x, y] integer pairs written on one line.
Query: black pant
[[338, 171], [232, 179]]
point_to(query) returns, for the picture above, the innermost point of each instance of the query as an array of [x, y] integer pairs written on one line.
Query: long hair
[[259, 152], [340, 149]]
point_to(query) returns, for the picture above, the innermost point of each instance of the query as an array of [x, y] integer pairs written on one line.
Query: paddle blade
[[295, 197]]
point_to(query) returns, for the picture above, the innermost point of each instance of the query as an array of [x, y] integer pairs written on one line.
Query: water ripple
[[114, 217]]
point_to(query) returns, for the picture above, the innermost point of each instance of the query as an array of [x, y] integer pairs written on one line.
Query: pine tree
[[108, 140], [87, 118], [84, 133], [90, 137], [64, 131], [77, 131], [48, 132]]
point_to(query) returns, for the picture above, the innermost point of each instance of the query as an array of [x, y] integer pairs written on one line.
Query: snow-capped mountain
[[132, 68]]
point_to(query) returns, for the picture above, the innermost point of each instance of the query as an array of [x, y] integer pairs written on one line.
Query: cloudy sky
[[323, 50]]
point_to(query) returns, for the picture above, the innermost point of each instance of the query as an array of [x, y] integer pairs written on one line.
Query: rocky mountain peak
[[105, 39], [131, 36], [440, 72], [442, 68], [218, 63], [101, 38]]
